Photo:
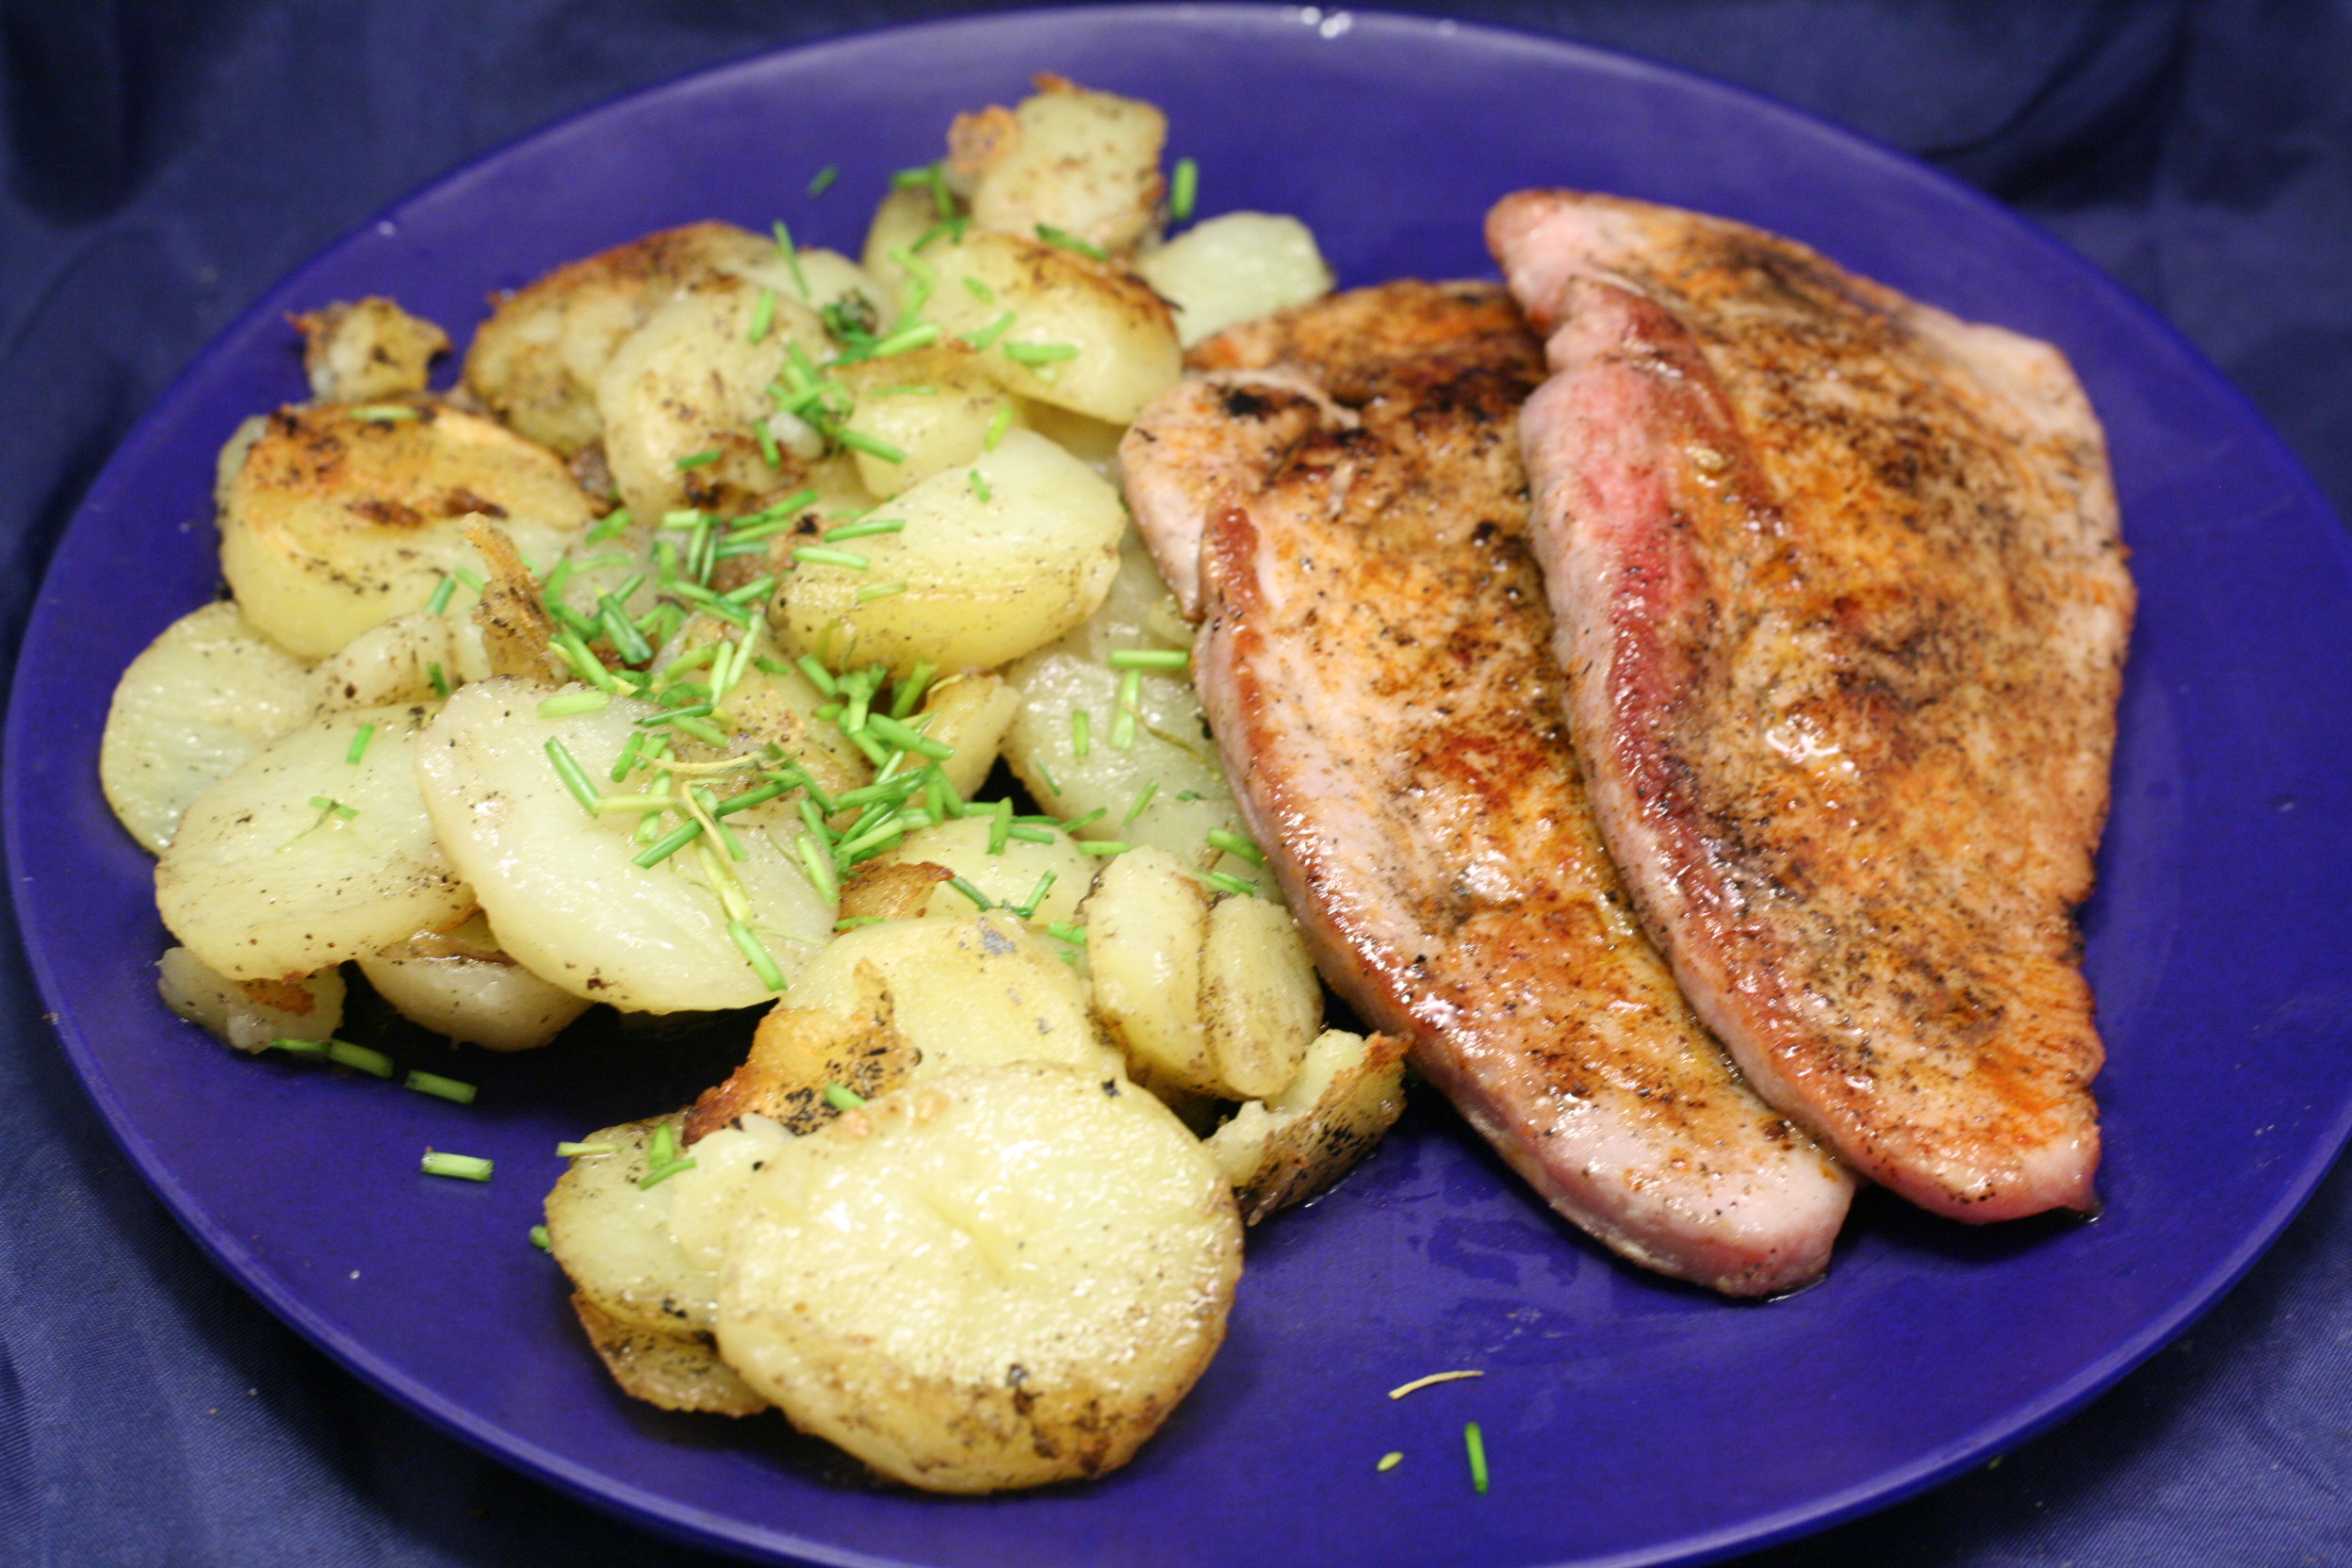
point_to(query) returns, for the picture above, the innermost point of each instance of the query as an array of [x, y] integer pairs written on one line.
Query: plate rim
[[701, 1528]]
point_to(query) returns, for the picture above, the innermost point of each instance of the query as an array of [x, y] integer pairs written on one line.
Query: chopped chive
[[1474, 1440], [908, 738], [584, 664], [691, 660], [986, 337], [999, 422], [1150, 659], [662, 1174], [851, 923], [1233, 843], [750, 798], [819, 868], [899, 342], [873, 446], [440, 681], [1075, 823], [539, 1239], [953, 227], [622, 632], [1030, 834], [381, 412], [465, 1167], [344, 1054], [823, 180], [1103, 846], [1124, 721], [819, 676], [685, 518], [1000, 827], [441, 594], [440, 1087], [791, 256], [1064, 931], [702, 459], [762, 316], [300, 1048], [770, 453], [842, 1098], [1081, 732], [360, 738], [1028, 907], [755, 588], [817, 555], [964, 887], [613, 524], [574, 1150], [627, 759], [1238, 886], [880, 591], [1390, 1460], [980, 487], [979, 290], [756, 954], [1185, 191], [1143, 798], [328, 807], [1069, 241], [865, 528], [575, 778], [564, 704], [1050, 782], [1040, 353], [663, 1148], [669, 845], [910, 690], [471, 580]]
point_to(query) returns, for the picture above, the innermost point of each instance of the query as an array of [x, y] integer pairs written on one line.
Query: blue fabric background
[[167, 159]]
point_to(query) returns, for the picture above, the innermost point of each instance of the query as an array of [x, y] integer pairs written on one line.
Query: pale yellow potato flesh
[[1347, 1093], [247, 1015], [1260, 999], [1146, 921], [368, 349], [1235, 267], [1085, 163], [933, 405], [336, 521], [969, 713], [206, 694], [493, 1003], [261, 884], [612, 1237], [395, 661], [1006, 877], [997, 1277]]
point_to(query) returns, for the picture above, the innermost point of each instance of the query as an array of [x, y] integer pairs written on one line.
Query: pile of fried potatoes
[[659, 664]]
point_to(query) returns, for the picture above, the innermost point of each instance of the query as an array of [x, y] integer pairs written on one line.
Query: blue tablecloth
[[167, 159]]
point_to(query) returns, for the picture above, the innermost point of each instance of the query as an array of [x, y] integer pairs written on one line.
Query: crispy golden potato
[[1086, 164], [676, 1371], [1006, 877], [999, 1276], [1346, 1095], [250, 1014], [373, 348], [1260, 999]]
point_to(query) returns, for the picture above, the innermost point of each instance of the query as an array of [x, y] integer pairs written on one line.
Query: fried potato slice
[[1085, 164], [1146, 923], [797, 1052], [1259, 1001], [1347, 1093], [249, 1014], [263, 881], [203, 698], [1006, 877], [676, 1371], [372, 348], [395, 661], [341, 517], [933, 405], [1235, 267], [997, 1277], [477, 997]]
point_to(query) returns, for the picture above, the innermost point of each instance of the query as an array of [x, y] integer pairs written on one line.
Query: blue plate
[[1629, 1420]]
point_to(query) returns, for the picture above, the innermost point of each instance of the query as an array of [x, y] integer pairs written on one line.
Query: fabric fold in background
[[167, 160]]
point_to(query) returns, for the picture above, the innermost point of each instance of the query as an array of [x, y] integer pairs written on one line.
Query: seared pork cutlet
[[1376, 669], [1843, 610]]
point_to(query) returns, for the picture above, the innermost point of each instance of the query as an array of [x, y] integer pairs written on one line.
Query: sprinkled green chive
[[873, 446], [899, 342], [612, 525], [702, 459], [300, 1048], [842, 1098], [441, 594], [539, 1239], [440, 681], [374, 1063], [662, 1172], [1028, 906], [566, 703], [1081, 732], [471, 580], [820, 868], [574, 1150], [575, 778], [684, 517], [1390, 1460], [1050, 782], [1000, 827], [1239, 886], [910, 690], [750, 798], [770, 453], [999, 422], [986, 337], [908, 738], [360, 738], [331, 807], [979, 290], [762, 317], [866, 529], [980, 487], [465, 1167], [440, 1087], [1184, 191], [964, 887], [1064, 931], [622, 632], [758, 587], [1104, 846], [1040, 353], [1143, 798], [1069, 241], [382, 412], [1150, 659], [1030, 834], [819, 676], [823, 180], [851, 923], [627, 759], [791, 256], [1233, 843], [1124, 721], [1075, 823], [756, 954], [701, 729], [1475, 1442], [691, 660], [817, 555], [663, 1148], [584, 664]]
